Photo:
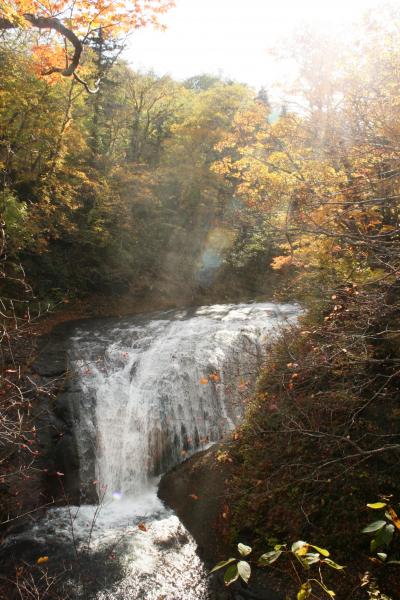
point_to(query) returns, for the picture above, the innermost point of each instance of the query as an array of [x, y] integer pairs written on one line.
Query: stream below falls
[[147, 392]]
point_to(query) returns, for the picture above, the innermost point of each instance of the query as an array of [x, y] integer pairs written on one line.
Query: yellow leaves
[[7, 11], [304, 592], [279, 262], [224, 457], [301, 549], [41, 560]]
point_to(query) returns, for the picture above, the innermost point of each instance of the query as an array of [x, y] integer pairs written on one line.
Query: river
[[151, 392]]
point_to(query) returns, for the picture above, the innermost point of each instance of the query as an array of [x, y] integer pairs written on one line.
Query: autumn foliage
[[202, 191], [322, 435], [71, 25]]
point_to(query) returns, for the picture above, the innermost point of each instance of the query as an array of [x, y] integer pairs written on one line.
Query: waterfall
[[146, 393], [167, 386]]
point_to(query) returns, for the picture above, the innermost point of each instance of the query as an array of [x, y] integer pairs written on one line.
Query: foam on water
[[152, 407], [153, 391]]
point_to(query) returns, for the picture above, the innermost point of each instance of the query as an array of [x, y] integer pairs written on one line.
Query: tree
[[77, 21]]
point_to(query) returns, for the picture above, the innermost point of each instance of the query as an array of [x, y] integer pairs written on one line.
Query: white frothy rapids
[[152, 391], [168, 387]]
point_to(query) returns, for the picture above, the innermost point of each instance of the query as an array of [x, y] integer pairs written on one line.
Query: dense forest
[[153, 193], [116, 191]]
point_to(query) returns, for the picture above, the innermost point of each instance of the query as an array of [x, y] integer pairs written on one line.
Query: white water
[[153, 406], [154, 391]]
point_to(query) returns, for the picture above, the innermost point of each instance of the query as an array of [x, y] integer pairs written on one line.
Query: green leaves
[[269, 558], [231, 574], [310, 559], [241, 568], [383, 537], [333, 564], [382, 555], [301, 550], [244, 570], [222, 564], [382, 529], [375, 526]]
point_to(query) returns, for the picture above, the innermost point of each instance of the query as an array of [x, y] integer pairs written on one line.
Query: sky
[[231, 38]]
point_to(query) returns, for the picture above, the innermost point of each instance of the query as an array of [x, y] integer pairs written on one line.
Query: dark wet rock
[[195, 490], [57, 414], [67, 453], [51, 360], [64, 407]]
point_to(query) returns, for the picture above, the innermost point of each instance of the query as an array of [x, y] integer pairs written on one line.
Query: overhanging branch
[[56, 25]]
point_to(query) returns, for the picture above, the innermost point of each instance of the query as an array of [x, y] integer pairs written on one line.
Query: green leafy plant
[[236, 567], [382, 529], [306, 554]]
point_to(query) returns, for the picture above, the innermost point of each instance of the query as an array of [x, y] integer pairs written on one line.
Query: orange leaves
[[213, 378], [81, 17], [41, 560], [225, 512], [394, 517], [46, 56], [243, 385], [279, 262]]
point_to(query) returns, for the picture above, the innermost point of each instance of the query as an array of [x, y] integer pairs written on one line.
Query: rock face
[[57, 414], [195, 490]]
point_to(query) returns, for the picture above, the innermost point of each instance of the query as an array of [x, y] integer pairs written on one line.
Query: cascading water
[[151, 392], [166, 387]]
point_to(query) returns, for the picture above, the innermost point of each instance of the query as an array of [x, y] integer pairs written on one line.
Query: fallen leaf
[[394, 517]]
